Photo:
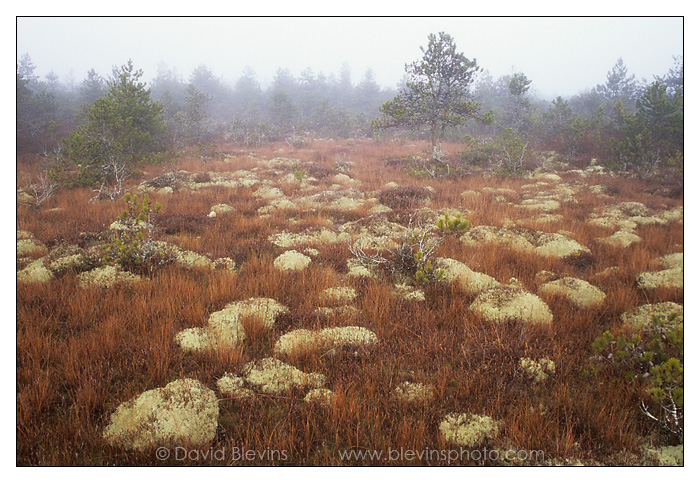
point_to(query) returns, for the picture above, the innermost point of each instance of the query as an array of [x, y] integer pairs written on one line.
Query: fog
[[562, 56]]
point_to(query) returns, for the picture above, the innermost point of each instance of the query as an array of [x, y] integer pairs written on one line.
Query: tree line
[[96, 126]]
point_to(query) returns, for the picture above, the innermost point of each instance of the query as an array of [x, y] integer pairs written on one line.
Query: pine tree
[[437, 93], [123, 126]]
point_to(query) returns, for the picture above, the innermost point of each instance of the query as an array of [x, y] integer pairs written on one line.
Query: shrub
[[176, 223], [133, 247], [122, 127], [36, 191], [201, 178], [654, 359], [404, 197], [318, 171], [478, 152], [168, 178], [408, 255]]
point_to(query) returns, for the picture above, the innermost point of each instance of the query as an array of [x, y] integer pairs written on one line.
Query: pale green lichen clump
[[225, 327], [106, 276], [233, 387], [185, 412], [538, 370], [332, 297], [35, 272], [292, 260], [414, 392], [469, 430], [325, 340], [273, 376], [323, 397], [503, 303]]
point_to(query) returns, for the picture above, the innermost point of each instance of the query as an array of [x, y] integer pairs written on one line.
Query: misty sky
[[562, 56]]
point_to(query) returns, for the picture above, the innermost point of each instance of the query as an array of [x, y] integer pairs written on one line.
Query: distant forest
[[621, 120]]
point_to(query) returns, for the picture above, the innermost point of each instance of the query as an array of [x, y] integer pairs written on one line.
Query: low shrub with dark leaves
[[404, 197], [201, 178], [176, 223]]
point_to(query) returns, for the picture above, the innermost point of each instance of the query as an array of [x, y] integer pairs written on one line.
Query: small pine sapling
[[452, 226], [133, 247]]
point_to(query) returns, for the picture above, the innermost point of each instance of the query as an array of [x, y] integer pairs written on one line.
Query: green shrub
[[478, 152], [408, 256], [653, 359], [133, 247]]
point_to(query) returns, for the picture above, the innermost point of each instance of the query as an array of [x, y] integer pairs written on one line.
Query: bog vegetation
[[318, 268]]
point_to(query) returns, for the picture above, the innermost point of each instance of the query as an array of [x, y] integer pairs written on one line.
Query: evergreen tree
[[123, 126], [437, 94]]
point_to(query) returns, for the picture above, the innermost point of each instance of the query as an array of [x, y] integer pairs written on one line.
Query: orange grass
[[82, 352]]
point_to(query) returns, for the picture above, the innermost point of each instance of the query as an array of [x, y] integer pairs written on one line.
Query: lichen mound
[[503, 303], [267, 192], [666, 455], [621, 239], [468, 430], [521, 239], [35, 272], [273, 376], [664, 315], [67, 257], [337, 296], [482, 235], [222, 208], [470, 281], [106, 276], [225, 328], [671, 278], [322, 397], [540, 370], [672, 260], [325, 340], [408, 292], [357, 269], [28, 246], [185, 258], [310, 237], [579, 292], [183, 413], [292, 260], [558, 245], [414, 392], [234, 387]]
